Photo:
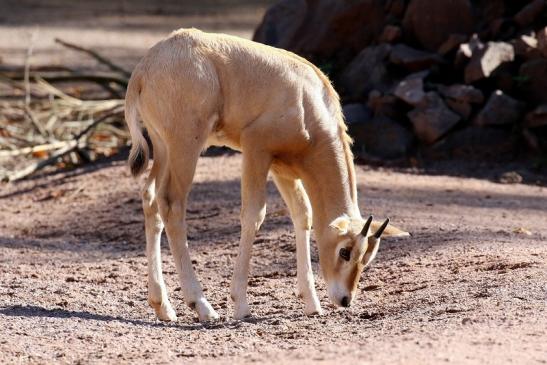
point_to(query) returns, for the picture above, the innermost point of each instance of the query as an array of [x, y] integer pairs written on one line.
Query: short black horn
[[364, 231], [380, 230]]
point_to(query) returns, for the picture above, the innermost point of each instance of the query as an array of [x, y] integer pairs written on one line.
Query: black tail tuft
[[137, 162]]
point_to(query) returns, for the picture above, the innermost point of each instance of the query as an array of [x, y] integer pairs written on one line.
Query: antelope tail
[[140, 151]]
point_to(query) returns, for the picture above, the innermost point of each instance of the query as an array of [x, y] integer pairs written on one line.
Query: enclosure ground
[[465, 288]]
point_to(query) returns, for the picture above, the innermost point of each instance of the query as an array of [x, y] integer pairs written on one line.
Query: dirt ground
[[465, 288], [123, 30]]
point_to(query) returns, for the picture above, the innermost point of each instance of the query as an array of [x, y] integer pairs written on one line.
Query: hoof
[[205, 311], [209, 317], [165, 312], [242, 312], [313, 312]]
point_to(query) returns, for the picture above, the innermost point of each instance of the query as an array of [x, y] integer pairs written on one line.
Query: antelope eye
[[345, 253]]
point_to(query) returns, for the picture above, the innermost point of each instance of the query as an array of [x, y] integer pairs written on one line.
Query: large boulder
[[474, 142], [381, 137], [322, 29], [529, 13], [486, 59], [429, 23], [366, 72], [432, 119], [500, 109], [281, 23]]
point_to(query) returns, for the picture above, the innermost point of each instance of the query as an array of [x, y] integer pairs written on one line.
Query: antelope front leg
[[253, 210], [299, 206], [304, 273]]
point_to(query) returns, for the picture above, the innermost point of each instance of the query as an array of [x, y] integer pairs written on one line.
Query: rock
[[387, 105], [396, 8], [461, 107], [323, 28], [469, 48], [537, 117], [499, 109], [366, 72], [510, 177], [411, 90], [487, 59], [542, 41], [281, 23], [411, 58], [465, 93], [355, 113], [452, 42], [432, 119], [533, 76], [381, 137], [390, 34], [474, 142], [526, 46], [430, 23], [528, 14]]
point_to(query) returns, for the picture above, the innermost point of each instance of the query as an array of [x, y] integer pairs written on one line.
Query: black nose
[[345, 302]]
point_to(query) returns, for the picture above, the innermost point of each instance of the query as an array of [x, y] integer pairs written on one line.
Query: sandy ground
[[464, 289]]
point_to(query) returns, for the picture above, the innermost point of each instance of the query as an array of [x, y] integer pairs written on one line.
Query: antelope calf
[[195, 89]]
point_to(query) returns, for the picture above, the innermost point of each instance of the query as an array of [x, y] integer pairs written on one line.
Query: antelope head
[[352, 246]]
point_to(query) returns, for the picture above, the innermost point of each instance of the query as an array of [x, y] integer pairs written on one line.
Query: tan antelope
[[196, 89]]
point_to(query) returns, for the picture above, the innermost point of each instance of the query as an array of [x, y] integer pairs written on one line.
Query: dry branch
[[73, 145], [95, 55], [39, 120]]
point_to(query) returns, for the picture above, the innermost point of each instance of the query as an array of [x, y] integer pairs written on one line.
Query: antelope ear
[[372, 250], [390, 230], [341, 224]]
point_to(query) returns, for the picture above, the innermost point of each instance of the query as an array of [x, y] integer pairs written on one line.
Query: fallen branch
[[71, 146], [95, 55], [12, 77], [33, 149]]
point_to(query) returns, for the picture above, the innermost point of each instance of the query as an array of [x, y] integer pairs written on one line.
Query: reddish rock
[[281, 23], [537, 117], [533, 74], [499, 109], [487, 59], [542, 41], [432, 119], [396, 8], [387, 105], [323, 28], [411, 58], [430, 23], [366, 72], [452, 42], [528, 14], [464, 93], [461, 107], [390, 34]]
